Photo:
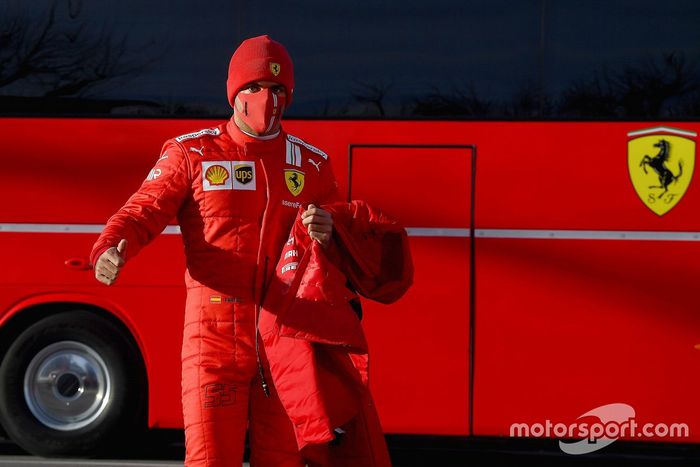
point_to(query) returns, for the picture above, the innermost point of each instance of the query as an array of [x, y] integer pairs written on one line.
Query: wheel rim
[[67, 385]]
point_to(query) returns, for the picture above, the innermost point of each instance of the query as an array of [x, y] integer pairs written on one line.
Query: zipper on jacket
[[261, 372]]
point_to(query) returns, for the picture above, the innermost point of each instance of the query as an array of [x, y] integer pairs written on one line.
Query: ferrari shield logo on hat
[[661, 162], [295, 181], [275, 68]]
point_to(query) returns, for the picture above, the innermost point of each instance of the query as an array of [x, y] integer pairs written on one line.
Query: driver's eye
[[253, 88], [278, 89]]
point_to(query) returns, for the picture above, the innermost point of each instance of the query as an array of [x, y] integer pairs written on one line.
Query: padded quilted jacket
[[313, 338]]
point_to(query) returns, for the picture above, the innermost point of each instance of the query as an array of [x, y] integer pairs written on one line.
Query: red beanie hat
[[259, 59]]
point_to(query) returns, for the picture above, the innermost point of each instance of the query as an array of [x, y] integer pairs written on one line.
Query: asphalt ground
[[165, 448], [29, 461]]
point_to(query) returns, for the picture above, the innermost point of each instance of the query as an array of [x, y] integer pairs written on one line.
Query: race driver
[[235, 189]]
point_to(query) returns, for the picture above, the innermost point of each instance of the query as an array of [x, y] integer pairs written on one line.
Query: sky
[[410, 47]]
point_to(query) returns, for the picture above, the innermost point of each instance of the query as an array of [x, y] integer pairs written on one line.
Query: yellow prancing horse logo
[[275, 68], [661, 162], [295, 181]]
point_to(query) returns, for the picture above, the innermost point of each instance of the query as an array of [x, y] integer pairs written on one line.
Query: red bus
[[546, 182]]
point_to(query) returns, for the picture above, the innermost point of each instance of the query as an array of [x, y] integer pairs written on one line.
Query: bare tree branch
[[372, 94], [63, 58], [646, 90], [458, 102]]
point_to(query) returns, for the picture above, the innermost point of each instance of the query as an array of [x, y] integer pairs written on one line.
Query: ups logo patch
[[244, 174]]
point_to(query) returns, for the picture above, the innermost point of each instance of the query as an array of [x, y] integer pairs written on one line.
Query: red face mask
[[260, 110]]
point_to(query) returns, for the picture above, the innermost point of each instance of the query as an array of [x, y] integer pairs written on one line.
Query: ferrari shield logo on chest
[[295, 181], [661, 162]]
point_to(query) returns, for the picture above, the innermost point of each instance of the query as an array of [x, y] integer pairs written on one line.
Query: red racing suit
[[235, 198]]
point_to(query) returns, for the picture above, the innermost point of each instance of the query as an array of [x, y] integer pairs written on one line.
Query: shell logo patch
[[217, 175], [275, 68], [661, 162], [295, 181]]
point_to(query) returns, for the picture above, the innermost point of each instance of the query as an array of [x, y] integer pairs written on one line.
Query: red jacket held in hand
[[313, 337]]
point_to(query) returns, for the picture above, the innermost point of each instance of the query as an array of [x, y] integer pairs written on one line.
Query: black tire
[[68, 359]]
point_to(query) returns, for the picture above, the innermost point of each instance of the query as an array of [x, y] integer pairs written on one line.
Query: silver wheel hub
[[67, 386]]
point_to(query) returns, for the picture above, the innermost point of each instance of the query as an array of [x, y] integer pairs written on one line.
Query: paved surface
[[28, 461], [166, 449]]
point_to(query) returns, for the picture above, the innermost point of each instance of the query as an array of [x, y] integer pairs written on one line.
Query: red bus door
[[421, 345]]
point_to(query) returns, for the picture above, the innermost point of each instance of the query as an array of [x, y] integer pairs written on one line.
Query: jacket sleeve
[[328, 186], [148, 211], [374, 251]]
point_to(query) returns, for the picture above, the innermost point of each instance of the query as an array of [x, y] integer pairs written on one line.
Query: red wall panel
[[562, 326]]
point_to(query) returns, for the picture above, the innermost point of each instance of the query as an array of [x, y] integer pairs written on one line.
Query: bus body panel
[[561, 325]]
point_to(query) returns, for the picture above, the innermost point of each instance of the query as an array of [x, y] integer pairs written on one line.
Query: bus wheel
[[71, 384]]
